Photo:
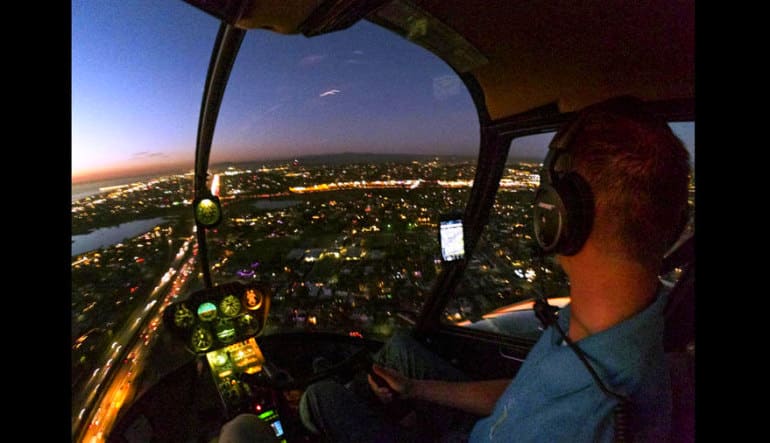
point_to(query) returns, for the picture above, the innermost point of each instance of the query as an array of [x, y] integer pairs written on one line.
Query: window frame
[[496, 140]]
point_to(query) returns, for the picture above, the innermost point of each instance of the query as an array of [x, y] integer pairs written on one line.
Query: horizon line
[[183, 168]]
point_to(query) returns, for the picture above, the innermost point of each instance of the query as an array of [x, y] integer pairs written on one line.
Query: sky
[[138, 72]]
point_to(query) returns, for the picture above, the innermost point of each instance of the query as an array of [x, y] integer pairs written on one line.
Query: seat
[[679, 340]]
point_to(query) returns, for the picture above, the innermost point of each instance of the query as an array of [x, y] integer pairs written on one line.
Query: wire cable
[[548, 316]]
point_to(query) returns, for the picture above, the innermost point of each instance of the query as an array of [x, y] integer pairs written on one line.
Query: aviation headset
[[564, 203]]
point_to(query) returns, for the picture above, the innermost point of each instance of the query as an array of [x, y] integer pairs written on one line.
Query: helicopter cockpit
[[527, 68]]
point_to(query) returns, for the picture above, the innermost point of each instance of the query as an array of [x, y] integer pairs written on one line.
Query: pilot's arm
[[476, 397]]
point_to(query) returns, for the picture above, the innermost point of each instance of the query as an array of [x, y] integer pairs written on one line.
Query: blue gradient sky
[[138, 69]]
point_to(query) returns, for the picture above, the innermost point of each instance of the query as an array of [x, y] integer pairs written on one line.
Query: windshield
[[334, 158], [352, 144]]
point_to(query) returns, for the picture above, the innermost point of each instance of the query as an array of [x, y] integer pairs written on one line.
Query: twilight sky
[[138, 69]]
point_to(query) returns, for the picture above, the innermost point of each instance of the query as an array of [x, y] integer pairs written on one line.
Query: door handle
[[508, 357]]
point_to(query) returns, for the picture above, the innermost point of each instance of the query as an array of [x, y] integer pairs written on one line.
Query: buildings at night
[[344, 247], [349, 248]]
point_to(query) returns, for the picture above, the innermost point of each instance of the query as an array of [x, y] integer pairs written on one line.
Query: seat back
[[679, 341]]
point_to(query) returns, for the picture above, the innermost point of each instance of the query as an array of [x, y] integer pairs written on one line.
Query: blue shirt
[[553, 397]]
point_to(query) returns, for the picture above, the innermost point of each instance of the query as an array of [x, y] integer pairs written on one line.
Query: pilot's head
[[637, 171]]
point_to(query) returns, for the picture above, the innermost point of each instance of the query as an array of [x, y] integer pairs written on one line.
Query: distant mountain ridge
[[340, 158], [365, 157], [343, 158]]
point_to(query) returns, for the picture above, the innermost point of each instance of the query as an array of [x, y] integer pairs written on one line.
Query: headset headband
[[558, 159]]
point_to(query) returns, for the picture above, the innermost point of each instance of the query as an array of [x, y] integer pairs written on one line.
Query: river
[[276, 204], [103, 237]]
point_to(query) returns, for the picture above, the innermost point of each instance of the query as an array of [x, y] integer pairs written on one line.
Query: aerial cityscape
[[344, 247], [348, 247], [334, 159]]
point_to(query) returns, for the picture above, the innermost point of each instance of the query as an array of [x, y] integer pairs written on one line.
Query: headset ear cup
[[579, 202], [564, 204], [549, 218]]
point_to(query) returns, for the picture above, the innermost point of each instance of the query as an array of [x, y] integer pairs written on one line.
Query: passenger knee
[[319, 390], [312, 400], [245, 428], [397, 343]]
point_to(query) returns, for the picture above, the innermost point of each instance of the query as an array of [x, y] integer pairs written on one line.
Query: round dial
[[230, 306], [225, 330], [207, 213], [183, 317], [207, 311], [201, 339], [252, 299], [248, 324]]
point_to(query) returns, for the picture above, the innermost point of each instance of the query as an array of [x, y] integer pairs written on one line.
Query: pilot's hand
[[396, 384]]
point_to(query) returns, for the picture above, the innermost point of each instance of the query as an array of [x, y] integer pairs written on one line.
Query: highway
[[97, 404]]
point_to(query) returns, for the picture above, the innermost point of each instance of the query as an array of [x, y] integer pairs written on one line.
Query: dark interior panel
[[478, 354]]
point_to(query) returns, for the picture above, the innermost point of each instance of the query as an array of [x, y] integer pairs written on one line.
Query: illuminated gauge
[[248, 324], [208, 212], [230, 306], [183, 317], [225, 329], [207, 311], [220, 359], [201, 339], [252, 299]]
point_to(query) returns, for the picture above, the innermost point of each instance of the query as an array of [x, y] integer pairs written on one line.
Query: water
[[103, 237], [83, 190], [275, 204]]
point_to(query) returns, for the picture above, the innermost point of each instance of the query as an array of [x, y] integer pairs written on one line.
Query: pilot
[[636, 171]]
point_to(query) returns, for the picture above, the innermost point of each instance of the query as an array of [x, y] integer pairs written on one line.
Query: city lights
[[346, 248]]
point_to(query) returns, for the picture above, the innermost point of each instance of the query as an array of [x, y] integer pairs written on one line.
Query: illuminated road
[[99, 401]]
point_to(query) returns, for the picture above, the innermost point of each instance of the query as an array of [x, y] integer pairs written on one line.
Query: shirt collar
[[618, 348]]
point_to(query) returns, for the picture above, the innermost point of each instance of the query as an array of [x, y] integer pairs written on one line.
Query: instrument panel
[[214, 318]]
